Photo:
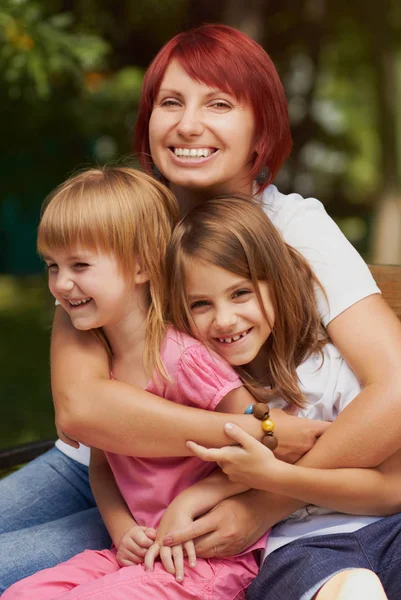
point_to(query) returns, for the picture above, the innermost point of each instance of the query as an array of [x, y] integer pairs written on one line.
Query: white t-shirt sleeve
[[306, 226]]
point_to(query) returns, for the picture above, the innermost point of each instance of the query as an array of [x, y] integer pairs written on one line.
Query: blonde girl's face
[[201, 137], [89, 286], [226, 314]]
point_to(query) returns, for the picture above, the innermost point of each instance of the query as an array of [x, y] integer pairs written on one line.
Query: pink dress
[[148, 485]]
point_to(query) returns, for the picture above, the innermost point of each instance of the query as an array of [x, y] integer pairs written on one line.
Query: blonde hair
[[119, 211], [235, 233]]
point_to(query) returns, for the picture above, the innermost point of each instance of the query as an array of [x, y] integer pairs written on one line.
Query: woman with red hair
[[212, 119]]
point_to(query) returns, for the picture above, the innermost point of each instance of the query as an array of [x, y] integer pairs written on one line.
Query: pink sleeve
[[204, 378]]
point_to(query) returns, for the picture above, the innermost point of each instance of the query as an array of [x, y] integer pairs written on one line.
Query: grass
[[26, 312]]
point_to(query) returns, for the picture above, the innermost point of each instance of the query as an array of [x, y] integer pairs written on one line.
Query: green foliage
[[25, 318], [37, 49]]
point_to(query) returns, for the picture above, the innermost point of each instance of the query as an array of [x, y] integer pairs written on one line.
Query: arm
[[115, 416], [131, 540], [374, 491], [368, 335], [115, 513], [215, 487], [120, 418]]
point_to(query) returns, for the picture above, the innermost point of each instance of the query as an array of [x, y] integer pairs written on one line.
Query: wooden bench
[[388, 278]]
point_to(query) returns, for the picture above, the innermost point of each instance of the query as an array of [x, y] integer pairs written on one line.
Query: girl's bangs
[[66, 224]]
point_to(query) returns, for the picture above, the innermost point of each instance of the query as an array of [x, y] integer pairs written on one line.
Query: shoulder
[[199, 374], [176, 345], [284, 209], [305, 225]]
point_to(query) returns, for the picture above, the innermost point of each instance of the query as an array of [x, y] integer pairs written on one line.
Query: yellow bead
[[267, 425]]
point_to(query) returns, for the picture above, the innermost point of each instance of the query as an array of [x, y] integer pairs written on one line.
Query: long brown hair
[[235, 233], [124, 212]]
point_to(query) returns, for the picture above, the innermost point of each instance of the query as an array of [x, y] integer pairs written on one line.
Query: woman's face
[[200, 137]]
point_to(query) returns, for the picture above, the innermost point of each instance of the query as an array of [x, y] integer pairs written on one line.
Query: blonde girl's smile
[[225, 312], [77, 280]]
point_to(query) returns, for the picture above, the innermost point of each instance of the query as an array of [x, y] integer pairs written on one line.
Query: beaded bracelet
[[261, 411]]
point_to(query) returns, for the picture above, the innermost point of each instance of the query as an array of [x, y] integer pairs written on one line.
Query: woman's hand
[[295, 435], [172, 558], [228, 529], [134, 545]]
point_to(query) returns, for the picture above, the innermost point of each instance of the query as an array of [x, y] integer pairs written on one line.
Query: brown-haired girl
[[237, 287], [103, 235]]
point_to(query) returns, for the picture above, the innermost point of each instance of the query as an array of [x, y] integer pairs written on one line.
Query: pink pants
[[96, 575]]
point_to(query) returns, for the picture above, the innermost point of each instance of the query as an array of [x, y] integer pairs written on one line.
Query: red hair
[[218, 55]]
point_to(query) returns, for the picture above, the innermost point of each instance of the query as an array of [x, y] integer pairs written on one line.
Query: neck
[[258, 367], [126, 338], [189, 198]]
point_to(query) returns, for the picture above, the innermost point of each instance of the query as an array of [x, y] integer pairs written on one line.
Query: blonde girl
[[240, 289], [103, 236]]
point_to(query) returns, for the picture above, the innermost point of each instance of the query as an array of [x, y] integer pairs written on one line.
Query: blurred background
[[70, 78]]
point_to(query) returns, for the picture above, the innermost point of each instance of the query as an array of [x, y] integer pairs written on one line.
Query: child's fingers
[[151, 533], [208, 454], [178, 559], [141, 538], [127, 557], [191, 553], [193, 530], [151, 555], [167, 559], [129, 560], [239, 435], [137, 549]]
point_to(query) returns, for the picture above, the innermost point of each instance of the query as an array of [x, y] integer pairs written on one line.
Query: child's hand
[[172, 558], [248, 463], [134, 545]]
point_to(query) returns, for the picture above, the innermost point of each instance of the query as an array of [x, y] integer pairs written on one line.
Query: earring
[[263, 175], [156, 173]]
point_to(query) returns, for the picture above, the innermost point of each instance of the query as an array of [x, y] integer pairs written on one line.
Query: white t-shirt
[[81, 454], [328, 388], [305, 225]]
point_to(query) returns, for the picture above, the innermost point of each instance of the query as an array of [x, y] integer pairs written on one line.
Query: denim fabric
[[47, 515], [298, 570]]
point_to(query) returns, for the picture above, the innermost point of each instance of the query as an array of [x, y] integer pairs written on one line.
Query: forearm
[[349, 441], [206, 493], [368, 335], [353, 491], [115, 513], [118, 417]]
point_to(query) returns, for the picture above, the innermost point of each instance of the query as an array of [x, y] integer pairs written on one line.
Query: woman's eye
[[169, 102], [221, 105], [51, 266], [81, 265], [199, 304]]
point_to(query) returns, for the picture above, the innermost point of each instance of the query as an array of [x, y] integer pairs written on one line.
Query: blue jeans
[[47, 515]]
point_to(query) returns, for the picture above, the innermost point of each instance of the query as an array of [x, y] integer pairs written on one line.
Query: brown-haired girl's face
[[226, 313], [200, 137]]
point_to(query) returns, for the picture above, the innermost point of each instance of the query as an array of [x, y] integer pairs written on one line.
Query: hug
[[209, 292]]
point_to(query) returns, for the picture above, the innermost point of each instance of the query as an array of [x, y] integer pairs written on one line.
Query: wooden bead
[[270, 441], [261, 411], [267, 425]]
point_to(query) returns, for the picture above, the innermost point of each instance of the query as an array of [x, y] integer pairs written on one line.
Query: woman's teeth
[[235, 338], [79, 302], [193, 152]]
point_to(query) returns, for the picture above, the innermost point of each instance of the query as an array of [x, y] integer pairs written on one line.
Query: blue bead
[[249, 410]]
